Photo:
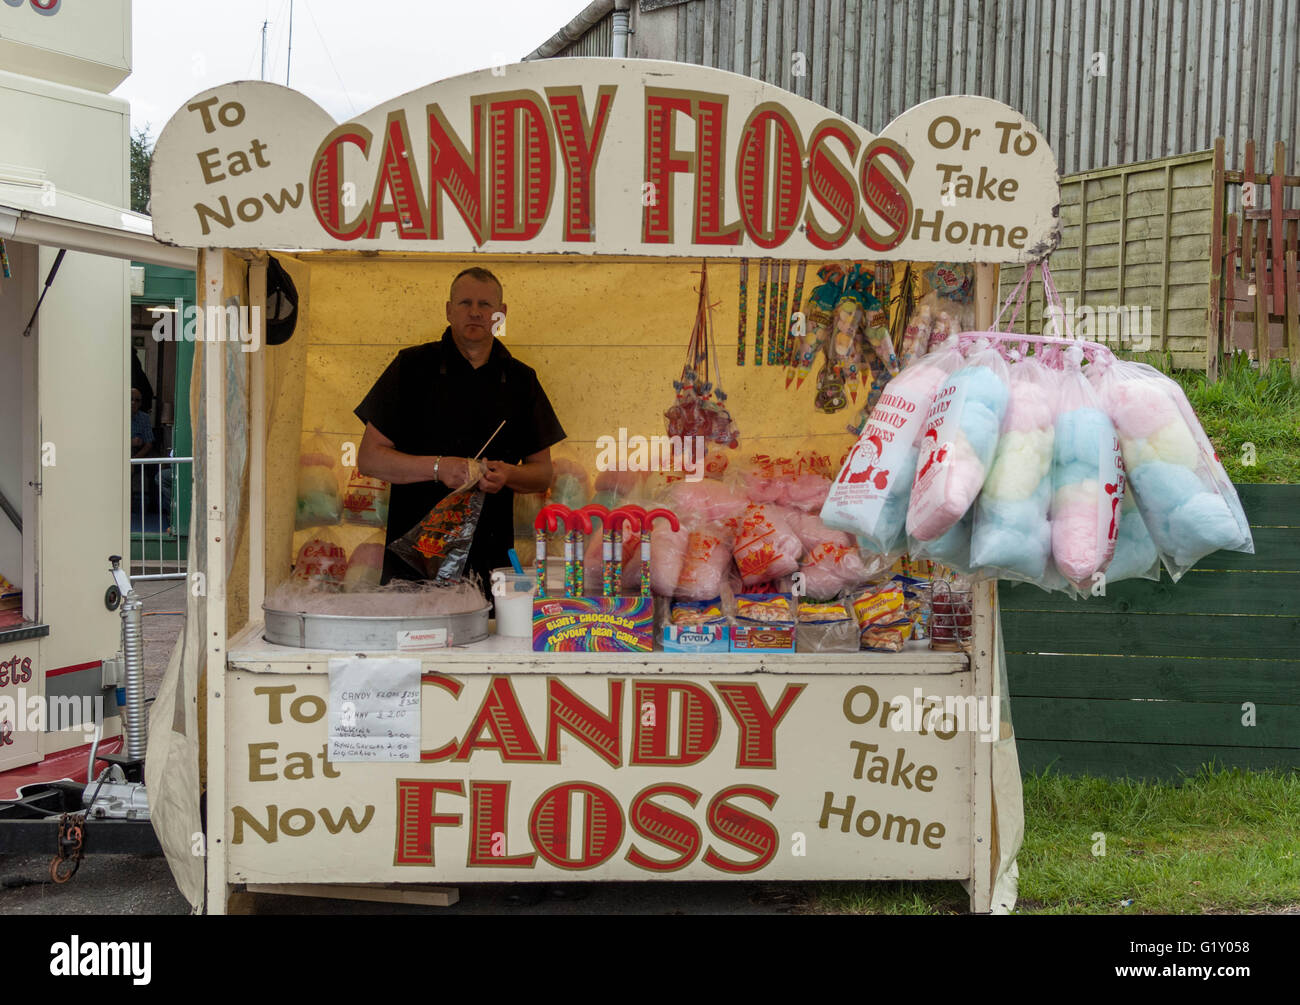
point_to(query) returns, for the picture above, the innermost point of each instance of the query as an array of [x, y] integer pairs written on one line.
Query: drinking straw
[[514, 561]]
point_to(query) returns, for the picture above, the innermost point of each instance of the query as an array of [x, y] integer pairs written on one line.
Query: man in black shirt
[[437, 404]]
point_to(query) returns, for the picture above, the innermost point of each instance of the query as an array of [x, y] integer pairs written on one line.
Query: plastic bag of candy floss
[[957, 442], [705, 562], [1011, 532], [1186, 500], [1135, 553], [1087, 480], [766, 546], [869, 497], [319, 504]]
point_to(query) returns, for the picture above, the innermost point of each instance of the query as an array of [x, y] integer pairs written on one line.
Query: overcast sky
[[348, 55]]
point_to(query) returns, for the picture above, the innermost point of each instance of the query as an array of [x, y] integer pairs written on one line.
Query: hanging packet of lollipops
[[956, 445], [1011, 533], [869, 497], [1187, 502], [1087, 480], [438, 546], [319, 504]]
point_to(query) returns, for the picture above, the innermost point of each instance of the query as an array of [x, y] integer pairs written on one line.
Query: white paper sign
[[374, 710]]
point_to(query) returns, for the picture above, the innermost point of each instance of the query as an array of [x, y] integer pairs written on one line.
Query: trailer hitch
[[71, 847]]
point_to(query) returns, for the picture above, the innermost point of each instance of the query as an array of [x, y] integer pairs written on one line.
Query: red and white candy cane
[[647, 523], [548, 519], [631, 516], [581, 526]]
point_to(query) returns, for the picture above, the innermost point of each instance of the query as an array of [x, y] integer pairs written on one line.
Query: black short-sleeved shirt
[[431, 401]]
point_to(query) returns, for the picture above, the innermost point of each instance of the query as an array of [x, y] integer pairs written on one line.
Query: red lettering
[[522, 163], [416, 818], [488, 802], [504, 720], [757, 745], [397, 197], [599, 732], [602, 825], [831, 183], [710, 187], [699, 723], [450, 172], [327, 183], [885, 195], [671, 830], [662, 161], [580, 144], [769, 176], [746, 831]]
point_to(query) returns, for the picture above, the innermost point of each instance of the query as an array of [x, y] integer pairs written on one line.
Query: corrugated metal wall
[[1177, 73], [598, 41]]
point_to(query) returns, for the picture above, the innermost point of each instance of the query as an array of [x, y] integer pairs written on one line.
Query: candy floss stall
[[605, 194]]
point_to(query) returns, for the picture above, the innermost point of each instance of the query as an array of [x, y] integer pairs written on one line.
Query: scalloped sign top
[[608, 157]]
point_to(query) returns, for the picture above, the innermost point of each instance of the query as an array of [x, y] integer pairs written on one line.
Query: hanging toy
[[744, 311], [817, 323], [777, 352], [700, 407]]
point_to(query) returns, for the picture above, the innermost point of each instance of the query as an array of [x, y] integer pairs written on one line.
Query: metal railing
[[159, 542]]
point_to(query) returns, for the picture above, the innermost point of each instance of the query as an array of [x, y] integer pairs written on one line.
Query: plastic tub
[[512, 593]]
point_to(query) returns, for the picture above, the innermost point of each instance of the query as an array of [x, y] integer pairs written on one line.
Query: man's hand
[[494, 479]]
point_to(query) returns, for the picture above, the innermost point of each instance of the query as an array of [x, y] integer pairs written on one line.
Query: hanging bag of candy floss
[[1135, 552], [1185, 497], [1087, 480], [956, 445], [869, 496], [319, 504], [1011, 533]]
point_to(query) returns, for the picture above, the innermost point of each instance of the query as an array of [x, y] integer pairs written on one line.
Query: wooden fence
[[1254, 290], [1134, 257], [1155, 679], [1181, 260]]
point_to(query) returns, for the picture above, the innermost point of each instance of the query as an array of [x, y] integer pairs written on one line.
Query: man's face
[[470, 309], [135, 402]]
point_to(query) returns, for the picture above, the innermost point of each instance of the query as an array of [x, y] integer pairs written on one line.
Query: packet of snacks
[[763, 607], [826, 628], [881, 613], [697, 612]]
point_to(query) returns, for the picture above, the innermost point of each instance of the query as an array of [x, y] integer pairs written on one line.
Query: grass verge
[[1248, 407], [1219, 842]]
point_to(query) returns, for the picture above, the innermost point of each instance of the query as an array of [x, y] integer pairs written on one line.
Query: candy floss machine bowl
[[354, 633]]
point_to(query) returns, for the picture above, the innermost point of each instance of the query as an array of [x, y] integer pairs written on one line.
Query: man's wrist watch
[[437, 461]]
